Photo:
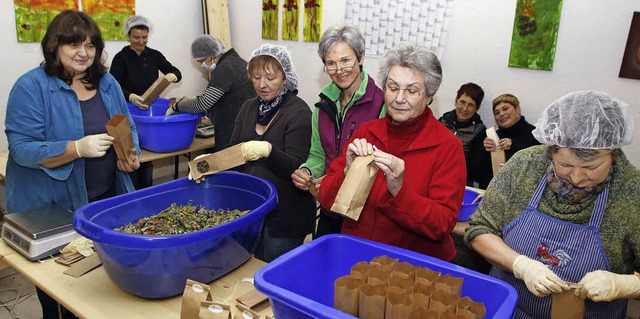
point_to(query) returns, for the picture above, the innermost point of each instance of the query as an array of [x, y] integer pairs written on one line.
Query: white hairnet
[[282, 55], [587, 120], [133, 21], [205, 46]]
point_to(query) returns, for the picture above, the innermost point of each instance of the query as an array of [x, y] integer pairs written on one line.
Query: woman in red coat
[[418, 191]]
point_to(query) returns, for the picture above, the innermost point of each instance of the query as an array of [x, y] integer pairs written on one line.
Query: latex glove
[[172, 78], [255, 150], [601, 285], [93, 145], [540, 280], [201, 179], [81, 245], [171, 110], [137, 101]]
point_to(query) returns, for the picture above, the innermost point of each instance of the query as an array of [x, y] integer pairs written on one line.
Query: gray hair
[[347, 33], [416, 57]]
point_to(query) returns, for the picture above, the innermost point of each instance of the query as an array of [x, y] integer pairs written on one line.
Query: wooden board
[[215, 15]]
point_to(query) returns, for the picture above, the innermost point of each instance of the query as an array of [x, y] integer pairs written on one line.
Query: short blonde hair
[[507, 98]]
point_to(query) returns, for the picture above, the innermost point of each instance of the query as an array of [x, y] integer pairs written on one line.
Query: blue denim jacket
[[43, 114]]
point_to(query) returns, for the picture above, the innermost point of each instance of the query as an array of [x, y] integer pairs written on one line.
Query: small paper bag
[[468, 309], [360, 270], [397, 284], [399, 305], [498, 157], [154, 91], [372, 301], [118, 128], [216, 162], [384, 262], [404, 270], [194, 293], [567, 305], [355, 188], [427, 276], [442, 301], [346, 294], [214, 310], [422, 313], [450, 284], [378, 276]]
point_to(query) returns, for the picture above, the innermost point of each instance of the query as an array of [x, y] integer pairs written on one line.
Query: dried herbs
[[179, 219]]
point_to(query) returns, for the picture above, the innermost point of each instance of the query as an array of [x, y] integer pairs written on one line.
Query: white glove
[[601, 285], [137, 101], [255, 150], [540, 280], [190, 177], [94, 145], [172, 78], [171, 109]]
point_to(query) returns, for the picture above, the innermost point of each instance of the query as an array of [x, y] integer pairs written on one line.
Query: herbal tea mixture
[[180, 220]]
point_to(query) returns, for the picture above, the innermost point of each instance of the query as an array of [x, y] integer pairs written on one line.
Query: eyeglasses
[[394, 91], [332, 68], [201, 60]]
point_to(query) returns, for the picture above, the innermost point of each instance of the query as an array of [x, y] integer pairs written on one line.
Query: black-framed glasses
[[332, 67], [394, 91]]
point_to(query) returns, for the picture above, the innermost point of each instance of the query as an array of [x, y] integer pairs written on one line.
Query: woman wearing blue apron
[[564, 214]]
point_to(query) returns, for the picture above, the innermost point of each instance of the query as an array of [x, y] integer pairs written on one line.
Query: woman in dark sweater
[[275, 129]]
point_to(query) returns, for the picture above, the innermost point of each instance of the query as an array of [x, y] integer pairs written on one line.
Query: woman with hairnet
[[136, 67], [565, 212], [228, 87], [275, 131]]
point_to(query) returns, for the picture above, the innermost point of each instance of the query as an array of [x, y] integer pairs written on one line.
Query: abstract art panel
[[33, 17], [312, 20], [630, 67], [270, 19], [535, 31], [110, 16], [290, 21]]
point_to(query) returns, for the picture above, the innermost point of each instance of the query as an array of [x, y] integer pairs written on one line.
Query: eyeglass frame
[[407, 95], [342, 68]]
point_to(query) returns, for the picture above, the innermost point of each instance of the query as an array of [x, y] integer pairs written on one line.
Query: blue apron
[[569, 250]]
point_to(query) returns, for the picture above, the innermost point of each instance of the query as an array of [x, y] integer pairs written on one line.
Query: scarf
[[574, 194], [267, 109]]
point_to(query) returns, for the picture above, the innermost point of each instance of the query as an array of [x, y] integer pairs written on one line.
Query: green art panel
[[290, 21], [270, 19], [312, 20], [535, 31], [33, 17]]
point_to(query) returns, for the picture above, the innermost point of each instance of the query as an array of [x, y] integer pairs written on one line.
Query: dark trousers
[[328, 223], [143, 176], [50, 307]]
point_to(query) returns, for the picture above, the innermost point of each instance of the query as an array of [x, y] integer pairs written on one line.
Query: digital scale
[[39, 232]]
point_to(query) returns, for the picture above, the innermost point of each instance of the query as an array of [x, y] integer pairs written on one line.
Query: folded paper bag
[[355, 188], [118, 127], [216, 162]]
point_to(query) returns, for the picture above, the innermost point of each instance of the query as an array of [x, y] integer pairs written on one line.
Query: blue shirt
[[43, 114]]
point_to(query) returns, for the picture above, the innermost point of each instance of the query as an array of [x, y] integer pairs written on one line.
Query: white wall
[[590, 45]]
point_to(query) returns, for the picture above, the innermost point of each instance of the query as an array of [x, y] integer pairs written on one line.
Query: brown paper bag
[[214, 310], [194, 293], [422, 293], [355, 188], [450, 284], [397, 283], [399, 305], [118, 128], [216, 162], [468, 309], [246, 312], [442, 301], [404, 270], [427, 276], [154, 91], [378, 276], [422, 313], [567, 305], [360, 270], [372, 301], [384, 262], [347, 294]]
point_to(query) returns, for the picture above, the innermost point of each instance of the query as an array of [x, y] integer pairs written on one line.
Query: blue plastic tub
[[160, 133], [467, 208], [299, 284], [158, 266]]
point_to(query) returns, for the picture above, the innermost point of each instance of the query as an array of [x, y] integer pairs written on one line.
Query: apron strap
[[598, 208], [535, 199]]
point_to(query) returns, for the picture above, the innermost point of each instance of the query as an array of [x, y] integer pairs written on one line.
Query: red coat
[[425, 210]]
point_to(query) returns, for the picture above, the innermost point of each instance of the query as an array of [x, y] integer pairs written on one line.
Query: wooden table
[[95, 296], [198, 144]]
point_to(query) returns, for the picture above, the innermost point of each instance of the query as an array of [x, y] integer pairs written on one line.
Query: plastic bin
[[299, 284], [158, 266], [467, 208], [160, 133]]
